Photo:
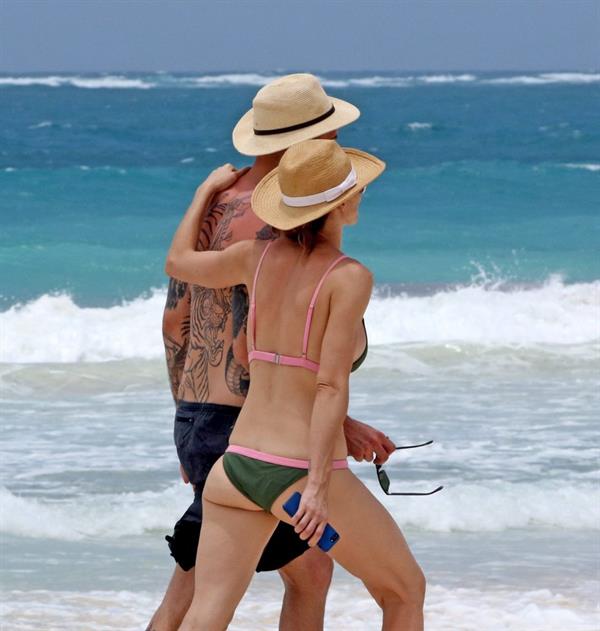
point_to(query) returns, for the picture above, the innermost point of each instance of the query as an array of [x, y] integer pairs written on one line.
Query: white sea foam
[[555, 313], [349, 606], [106, 516], [489, 507], [372, 82], [111, 82], [56, 81], [547, 78], [73, 333], [51, 81], [248, 78], [258, 79], [417, 126], [41, 125], [448, 78], [590, 166]]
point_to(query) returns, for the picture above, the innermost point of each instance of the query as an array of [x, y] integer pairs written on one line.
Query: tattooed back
[[209, 352]]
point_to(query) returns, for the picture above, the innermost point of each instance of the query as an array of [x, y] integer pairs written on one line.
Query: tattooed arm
[[176, 331], [209, 269]]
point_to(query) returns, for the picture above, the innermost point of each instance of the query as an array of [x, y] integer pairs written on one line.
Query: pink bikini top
[[276, 358]]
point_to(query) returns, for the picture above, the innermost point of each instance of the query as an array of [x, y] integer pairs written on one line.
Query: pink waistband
[[285, 462], [283, 360]]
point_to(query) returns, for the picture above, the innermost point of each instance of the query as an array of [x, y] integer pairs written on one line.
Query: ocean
[[483, 235]]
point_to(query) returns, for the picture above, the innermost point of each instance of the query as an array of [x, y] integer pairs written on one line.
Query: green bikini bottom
[[261, 482]]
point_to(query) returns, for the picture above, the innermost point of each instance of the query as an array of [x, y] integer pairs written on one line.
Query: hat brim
[[249, 144], [267, 202]]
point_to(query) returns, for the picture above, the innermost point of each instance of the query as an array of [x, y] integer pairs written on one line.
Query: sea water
[[484, 333]]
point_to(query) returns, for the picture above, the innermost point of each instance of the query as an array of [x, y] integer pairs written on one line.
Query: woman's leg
[[372, 548], [231, 541]]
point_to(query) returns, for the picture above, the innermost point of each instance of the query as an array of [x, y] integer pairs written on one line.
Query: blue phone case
[[329, 537]]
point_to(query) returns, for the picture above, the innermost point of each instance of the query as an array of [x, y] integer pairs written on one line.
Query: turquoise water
[[93, 181]]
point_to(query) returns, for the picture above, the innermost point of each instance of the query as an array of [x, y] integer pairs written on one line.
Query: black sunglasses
[[384, 480]]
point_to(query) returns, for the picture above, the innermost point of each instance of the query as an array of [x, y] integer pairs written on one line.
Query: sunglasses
[[384, 480]]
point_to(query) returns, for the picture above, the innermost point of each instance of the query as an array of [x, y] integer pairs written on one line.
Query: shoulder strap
[[253, 295], [313, 301]]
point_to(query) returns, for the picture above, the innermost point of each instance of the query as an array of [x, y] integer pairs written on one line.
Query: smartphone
[[329, 537]]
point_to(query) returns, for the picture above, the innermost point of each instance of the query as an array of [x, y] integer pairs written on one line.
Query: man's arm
[[363, 440], [176, 331]]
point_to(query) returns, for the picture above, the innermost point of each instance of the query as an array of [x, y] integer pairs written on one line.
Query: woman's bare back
[[277, 411]]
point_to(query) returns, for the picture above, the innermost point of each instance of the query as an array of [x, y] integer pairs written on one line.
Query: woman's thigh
[[233, 535], [231, 543], [371, 546]]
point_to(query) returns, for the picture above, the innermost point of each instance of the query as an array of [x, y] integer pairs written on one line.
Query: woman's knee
[[401, 588], [418, 587]]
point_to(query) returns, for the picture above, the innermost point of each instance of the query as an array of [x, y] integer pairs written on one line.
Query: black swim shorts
[[201, 437]]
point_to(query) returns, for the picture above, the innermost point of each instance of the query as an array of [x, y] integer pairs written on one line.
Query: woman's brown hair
[[306, 235]]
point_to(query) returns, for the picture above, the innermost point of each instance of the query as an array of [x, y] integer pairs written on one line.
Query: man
[[205, 344]]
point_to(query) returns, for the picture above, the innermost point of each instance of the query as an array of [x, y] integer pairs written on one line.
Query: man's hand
[[362, 440]]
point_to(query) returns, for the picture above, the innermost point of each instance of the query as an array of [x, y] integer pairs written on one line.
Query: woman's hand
[[311, 517], [222, 178]]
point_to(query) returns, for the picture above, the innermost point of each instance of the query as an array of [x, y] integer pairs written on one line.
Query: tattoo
[[176, 354], [236, 375], [267, 233], [239, 304], [175, 292], [211, 223], [211, 308], [209, 312]]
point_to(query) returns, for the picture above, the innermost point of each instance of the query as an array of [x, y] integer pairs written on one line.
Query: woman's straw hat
[[289, 110], [313, 178]]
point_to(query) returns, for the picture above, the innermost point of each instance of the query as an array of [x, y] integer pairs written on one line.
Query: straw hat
[[289, 110], [313, 178]]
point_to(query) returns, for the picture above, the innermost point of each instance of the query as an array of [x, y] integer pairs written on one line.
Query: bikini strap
[[253, 295], [313, 301]]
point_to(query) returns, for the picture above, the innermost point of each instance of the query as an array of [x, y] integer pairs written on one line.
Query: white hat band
[[326, 196]]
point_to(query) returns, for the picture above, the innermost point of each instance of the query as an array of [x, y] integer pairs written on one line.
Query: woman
[[305, 333]]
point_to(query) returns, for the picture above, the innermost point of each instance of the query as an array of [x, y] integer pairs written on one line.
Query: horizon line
[[295, 70]]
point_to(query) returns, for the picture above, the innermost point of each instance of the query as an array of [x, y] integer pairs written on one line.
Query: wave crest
[[555, 314], [466, 507], [57, 81], [165, 80], [546, 78]]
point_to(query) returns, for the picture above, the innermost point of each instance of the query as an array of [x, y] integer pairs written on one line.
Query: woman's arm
[[348, 303], [209, 269]]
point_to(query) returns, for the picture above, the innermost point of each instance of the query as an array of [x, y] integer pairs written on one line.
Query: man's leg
[[306, 574], [306, 581], [183, 545], [175, 603]]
